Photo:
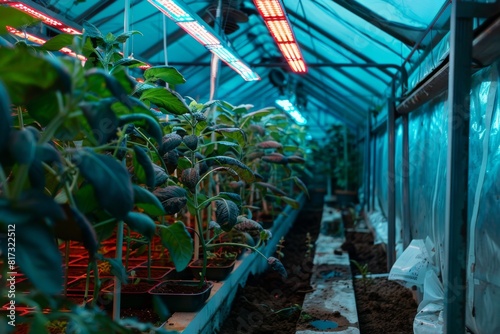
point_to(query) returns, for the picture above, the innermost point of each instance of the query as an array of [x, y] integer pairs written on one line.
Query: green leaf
[[39, 205], [38, 256], [91, 30], [129, 62], [126, 81], [168, 74], [21, 72], [227, 144], [301, 185], [226, 214], [146, 122], [145, 200], [234, 133], [10, 216], [43, 108], [109, 38], [230, 196], [122, 38], [290, 201], [271, 187], [58, 42], [143, 167], [111, 181], [22, 146], [5, 118], [85, 199], [243, 171], [38, 325], [36, 175], [179, 243], [48, 153], [89, 237], [171, 101], [257, 115], [102, 119], [14, 18], [141, 223], [117, 269], [112, 84]]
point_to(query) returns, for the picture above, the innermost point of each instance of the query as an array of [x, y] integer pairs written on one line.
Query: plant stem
[[104, 223], [153, 148], [20, 117], [66, 267], [118, 286], [253, 248], [3, 182], [97, 283]]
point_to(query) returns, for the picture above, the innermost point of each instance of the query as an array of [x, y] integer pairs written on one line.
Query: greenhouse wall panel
[[428, 138]]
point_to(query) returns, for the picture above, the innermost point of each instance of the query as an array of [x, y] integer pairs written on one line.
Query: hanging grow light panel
[[190, 22], [276, 20]]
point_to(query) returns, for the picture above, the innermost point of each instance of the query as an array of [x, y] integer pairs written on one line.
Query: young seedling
[[363, 270], [309, 245], [279, 248]]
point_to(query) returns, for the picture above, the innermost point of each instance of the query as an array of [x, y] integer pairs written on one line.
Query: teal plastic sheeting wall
[[428, 152]]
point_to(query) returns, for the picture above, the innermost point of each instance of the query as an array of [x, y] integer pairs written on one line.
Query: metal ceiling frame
[[376, 20], [339, 42]]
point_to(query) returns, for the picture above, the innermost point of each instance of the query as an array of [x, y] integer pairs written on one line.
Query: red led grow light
[[41, 41], [50, 21], [274, 15]]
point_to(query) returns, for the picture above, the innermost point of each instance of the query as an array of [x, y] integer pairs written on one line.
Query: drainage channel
[[331, 306]]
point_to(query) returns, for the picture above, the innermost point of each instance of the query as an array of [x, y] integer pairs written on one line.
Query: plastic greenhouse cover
[[417, 14], [428, 154], [430, 63], [355, 31]]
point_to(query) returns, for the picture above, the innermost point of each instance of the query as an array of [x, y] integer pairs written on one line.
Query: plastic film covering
[[378, 223], [433, 59], [428, 153]]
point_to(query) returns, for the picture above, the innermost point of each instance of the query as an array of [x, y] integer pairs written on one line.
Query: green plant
[[199, 155], [279, 248], [340, 157], [75, 160], [309, 245], [364, 272]]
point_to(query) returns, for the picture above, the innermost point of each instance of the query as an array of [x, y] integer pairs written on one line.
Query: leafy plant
[[75, 158], [364, 272]]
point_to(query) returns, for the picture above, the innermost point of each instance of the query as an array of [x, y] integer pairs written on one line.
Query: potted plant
[[206, 153], [64, 153], [342, 164]]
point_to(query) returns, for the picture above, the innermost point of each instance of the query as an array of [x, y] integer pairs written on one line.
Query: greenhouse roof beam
[[345, 73], [375, 19], [336, 40], [100, 6]]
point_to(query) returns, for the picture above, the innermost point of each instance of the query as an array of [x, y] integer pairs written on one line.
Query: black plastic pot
[[217, 269], [132, 295], [182, 296]]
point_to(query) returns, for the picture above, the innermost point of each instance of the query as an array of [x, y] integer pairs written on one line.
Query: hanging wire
[[165, 41]]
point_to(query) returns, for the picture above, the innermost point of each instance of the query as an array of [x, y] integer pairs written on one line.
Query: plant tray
[[182, 296]]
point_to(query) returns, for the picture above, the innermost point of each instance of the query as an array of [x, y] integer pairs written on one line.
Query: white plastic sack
[[429, 319], [410, 268]]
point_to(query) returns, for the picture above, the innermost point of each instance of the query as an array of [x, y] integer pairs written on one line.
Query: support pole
[[456, 215], [367, 162], [406, 183], [391, 182]]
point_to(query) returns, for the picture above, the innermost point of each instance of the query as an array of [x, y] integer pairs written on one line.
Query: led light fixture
[[274, 15], [40, 41], [190, 22], [290, 109], [50, 21]]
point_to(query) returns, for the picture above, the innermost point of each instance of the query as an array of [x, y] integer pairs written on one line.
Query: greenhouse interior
[[249, 166]]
